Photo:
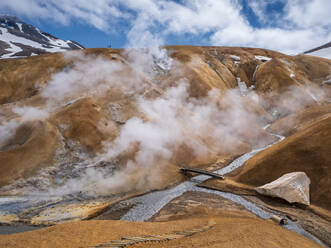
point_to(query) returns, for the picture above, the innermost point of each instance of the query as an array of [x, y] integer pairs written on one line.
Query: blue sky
[[287, 26]]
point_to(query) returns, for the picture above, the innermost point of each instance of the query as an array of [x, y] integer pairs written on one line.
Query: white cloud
[[309, 13], [259, 8], [267, 11], [302, 25], [35, 8], [288, 41]]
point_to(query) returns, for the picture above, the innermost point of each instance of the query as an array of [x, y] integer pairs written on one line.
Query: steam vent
[[155, 145]]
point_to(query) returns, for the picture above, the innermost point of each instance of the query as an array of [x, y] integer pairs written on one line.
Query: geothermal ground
[[92, 142]]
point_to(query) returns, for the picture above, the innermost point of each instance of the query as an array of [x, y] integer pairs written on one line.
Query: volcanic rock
[[292, 187]]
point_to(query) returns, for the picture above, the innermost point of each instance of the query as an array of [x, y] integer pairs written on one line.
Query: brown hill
[[126, 109], [30, 149], [308, 150], [299, 120]]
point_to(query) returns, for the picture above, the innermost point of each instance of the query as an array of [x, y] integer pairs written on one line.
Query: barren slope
[[105, 122], [228, 232], [308, 150]]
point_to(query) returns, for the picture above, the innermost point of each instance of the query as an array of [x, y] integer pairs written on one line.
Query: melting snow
[[20, 26], [59, 45], [327, 80], [257, 67], [262, 58], [57, 42], [234, 57], [8, 38], [242, 87]]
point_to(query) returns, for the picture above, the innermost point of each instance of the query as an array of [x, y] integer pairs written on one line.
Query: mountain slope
[[121, 122], [307, 151], [19, 39], [323, 51]]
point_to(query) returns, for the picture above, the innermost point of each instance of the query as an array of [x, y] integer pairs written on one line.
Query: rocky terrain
[[102, 134], [19, 39]]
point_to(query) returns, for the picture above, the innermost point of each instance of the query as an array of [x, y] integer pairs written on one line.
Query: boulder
[[292, 187]]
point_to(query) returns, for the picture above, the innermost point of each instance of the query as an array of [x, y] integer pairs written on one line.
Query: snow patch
[[10, 38], [242, 87], [256, 68], [69, 41], [56, 42], [234, 57], [20, 26], [327, 80], [53, 44], [262, 58]]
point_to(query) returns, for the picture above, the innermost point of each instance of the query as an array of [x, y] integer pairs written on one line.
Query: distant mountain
[[19, 39], [323, 51]]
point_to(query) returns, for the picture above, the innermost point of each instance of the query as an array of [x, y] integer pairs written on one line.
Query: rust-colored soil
[[33, 147], [228, 232], [313, 219], [307, 150], [192, 204], [299, 120], [88, 122], [82, 124]]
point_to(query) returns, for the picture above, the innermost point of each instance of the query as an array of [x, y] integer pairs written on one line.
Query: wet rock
[[279, 220], [292, 187], [69, 212], [8, 218], [291, 217]]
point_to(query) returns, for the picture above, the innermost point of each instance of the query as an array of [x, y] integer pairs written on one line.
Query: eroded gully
[[146, 206]]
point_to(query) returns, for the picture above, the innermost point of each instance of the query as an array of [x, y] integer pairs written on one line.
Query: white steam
[[206, 127], [8, 128], [28, 113], [88, 75], [171, 129], [291, 100]]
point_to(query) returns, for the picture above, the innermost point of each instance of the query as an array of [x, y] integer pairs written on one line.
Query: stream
[[146, 206]]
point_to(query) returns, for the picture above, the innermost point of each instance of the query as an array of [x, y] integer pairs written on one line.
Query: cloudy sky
[[290, 26]]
